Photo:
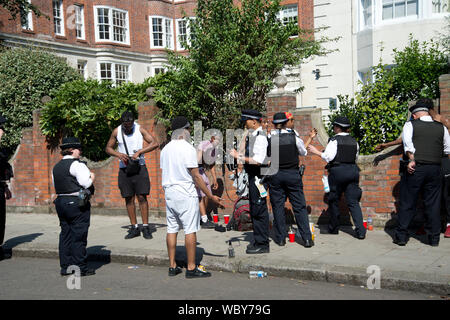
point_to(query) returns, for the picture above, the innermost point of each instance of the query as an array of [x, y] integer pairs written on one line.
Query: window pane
[[388, 11], [157, 32], [168, 32], [182, 32], [57, 16], [105, 71], [103, 23], [367, 12], [119, 26], [121, 73], [400, 9], [412, 8]]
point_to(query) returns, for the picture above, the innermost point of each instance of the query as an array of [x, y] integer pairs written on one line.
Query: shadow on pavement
[[98, 256], [13, 242]]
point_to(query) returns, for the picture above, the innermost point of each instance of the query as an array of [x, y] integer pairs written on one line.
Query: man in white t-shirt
[[180, 175]]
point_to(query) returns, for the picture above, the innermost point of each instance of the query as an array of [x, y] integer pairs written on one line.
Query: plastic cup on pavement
[[365, 224], [216, 218], [291, 237], [226, 218]]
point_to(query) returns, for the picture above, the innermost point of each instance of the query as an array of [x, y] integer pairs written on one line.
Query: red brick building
[[116, 40]]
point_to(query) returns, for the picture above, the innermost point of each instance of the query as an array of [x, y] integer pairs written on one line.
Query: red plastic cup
[[291, 237], [216, 218], [226, 218], [365, 224]]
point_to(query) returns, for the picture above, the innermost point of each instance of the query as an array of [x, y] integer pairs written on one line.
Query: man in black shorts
[[130, 137]]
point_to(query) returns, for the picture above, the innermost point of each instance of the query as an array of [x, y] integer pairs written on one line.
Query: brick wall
[[33, 161]]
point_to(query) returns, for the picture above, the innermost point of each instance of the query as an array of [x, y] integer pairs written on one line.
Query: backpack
[[241, 219]]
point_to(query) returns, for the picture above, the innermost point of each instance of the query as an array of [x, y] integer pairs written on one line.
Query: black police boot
[[133, 232], [146, 232], [308, 243]]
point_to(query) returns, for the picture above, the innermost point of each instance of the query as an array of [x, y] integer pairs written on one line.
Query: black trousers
[[74, 224], [344, 178], [2, 215], [426, 178], [288, 184], [259, 214]]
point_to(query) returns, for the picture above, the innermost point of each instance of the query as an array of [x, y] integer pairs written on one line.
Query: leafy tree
[[235, 52], [17, 7], [89, 110], [380, 108], [417, 70], [26, 75]]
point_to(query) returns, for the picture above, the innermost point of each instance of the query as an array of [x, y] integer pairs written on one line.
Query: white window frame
[[84, 69], [29, 18], [362, 23], [79, 24], [61, 17], [440, 13], [188, 32], [111, 25], [167, 38], [163, 68], [113, 70], [379, 13], [282, 14]]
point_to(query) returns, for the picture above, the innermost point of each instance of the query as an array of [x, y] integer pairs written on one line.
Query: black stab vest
[[288, 152], [347, 148], [428, 140], [64, 182]]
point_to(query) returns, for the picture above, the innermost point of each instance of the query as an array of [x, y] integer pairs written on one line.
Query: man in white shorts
[[180, 175]]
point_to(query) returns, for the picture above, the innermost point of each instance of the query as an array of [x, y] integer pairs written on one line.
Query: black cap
[[280, 117], [249, 114], [342, 122], [70, 142], [180, 122], [423, 104]]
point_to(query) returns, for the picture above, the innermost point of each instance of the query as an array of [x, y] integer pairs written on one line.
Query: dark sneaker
[[174, 271], [88, 272], [198, 272], [257, 250], [65, 273], [133, 232], [146, 232], [207, 225]]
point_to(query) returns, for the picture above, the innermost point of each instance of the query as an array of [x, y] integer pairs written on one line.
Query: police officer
[[424, 142], [255, 155], [343, 176], [70, 177], [5, 193], [286, 182]]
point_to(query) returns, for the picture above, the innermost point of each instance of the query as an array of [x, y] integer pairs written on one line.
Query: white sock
[[205, 218], [136, 225], [145, 225]]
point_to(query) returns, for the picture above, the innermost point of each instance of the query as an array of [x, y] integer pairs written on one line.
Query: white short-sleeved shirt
[[260, 146], [177, 157]]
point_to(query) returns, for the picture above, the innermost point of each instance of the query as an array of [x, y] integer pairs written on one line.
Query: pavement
[[338, 258]]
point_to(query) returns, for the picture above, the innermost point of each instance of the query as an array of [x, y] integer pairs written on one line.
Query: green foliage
[[380, 108], [417, 70], [26, 75], [89, 110], [235, 52], [16, 7]]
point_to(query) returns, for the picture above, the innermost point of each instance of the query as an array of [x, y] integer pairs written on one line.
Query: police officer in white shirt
[[70, 177], [343, 176], [286, 182], [424, 142], [255, 155]]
